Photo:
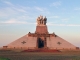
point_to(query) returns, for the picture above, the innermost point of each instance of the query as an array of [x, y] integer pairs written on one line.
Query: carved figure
[[41, 20]]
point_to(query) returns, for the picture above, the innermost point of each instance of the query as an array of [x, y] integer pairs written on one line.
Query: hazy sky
[[18, 17]]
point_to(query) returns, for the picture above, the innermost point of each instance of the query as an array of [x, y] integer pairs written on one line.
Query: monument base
[[42, 50]]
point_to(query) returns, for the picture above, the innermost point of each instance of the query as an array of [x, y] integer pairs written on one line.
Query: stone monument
[[40, 39]]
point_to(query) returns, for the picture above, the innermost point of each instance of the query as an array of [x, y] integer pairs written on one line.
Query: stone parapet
[[41, 35]]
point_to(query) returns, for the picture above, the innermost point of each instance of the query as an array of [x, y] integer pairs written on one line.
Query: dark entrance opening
[[40, 43]]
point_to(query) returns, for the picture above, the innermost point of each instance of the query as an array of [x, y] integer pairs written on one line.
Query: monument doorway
[[40, 43]]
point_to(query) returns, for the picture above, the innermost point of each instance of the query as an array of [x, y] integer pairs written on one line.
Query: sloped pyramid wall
[[59, 43], [24, 42]]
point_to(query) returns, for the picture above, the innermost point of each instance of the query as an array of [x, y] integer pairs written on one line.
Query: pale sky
[[18, 17]]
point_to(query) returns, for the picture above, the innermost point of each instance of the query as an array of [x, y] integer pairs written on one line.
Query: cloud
[[53, 17], [39, 9], [15, 11], [8, 3], [19, 9], [7, 12], [50, 24], [13, 21], [53, 24], [65, 20], [73, 25], [2, 14], [56, 4]]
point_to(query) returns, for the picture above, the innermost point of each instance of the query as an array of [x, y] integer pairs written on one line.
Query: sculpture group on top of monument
[[41, 20]]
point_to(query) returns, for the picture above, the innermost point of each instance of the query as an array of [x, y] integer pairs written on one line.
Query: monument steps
[[41, 50]]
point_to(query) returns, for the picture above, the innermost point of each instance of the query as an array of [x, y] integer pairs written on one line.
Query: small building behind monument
[[40, 39]]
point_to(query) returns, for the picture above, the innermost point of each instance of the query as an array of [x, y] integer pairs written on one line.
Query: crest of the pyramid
[[41, 38]]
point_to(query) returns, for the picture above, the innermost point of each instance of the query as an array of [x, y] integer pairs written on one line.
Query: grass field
[[1, 58], [64, 55]]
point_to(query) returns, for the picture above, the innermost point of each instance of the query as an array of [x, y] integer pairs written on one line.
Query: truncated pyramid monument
[[40, 39]]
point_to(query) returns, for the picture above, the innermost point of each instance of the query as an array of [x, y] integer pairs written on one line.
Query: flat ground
[[17, 55]]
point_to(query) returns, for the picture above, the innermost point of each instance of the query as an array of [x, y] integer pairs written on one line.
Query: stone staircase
[[41, 50]]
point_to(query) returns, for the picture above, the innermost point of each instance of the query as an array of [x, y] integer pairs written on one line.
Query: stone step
[[40, 50]]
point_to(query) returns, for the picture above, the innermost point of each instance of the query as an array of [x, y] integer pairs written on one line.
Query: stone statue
[[41, 20], [41, 17]]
